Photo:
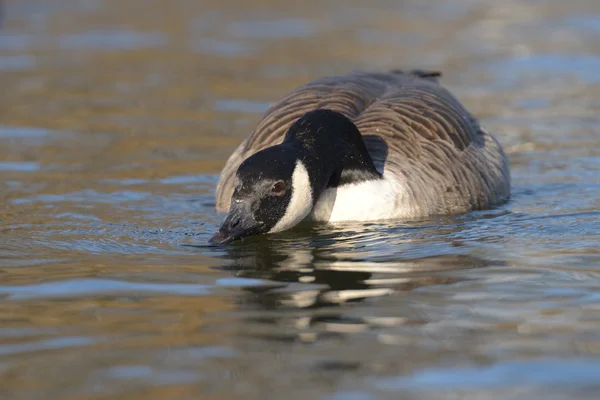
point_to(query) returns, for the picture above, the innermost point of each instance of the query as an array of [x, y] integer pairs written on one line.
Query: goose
[[360, 147]]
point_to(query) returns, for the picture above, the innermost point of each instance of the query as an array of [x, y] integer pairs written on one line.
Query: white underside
[[365, 201]]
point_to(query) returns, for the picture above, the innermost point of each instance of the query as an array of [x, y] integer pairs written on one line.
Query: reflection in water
[[316, 272]]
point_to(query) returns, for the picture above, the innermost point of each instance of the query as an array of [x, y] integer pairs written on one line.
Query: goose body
[[402, 145]]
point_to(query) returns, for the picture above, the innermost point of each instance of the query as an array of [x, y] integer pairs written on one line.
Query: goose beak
[[239, 223]]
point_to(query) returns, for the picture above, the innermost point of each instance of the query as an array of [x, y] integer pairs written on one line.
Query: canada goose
[[362, 146]]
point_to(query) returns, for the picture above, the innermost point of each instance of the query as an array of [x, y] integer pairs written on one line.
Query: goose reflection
[[316, 271]]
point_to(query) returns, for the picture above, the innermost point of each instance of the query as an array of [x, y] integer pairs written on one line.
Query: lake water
[[115, 119]]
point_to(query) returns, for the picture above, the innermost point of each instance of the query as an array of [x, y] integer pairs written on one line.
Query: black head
[[271, 193], [336, 147], [277, 187]]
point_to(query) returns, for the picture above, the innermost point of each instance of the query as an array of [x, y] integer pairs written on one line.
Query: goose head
[[277, 187], [272, 193]]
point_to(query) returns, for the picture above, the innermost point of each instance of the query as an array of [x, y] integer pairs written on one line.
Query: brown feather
[[415, 131]]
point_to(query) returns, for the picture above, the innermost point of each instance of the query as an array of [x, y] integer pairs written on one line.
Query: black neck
[[332, 150]]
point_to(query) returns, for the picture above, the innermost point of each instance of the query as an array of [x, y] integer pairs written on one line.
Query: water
[[115, 119]]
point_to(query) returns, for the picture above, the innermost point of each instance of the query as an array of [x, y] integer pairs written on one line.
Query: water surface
[[115, 119]]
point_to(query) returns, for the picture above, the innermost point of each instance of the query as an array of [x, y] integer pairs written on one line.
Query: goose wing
[[414, 129]]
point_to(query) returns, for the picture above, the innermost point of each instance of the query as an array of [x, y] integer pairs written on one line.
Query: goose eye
[[278, 188]]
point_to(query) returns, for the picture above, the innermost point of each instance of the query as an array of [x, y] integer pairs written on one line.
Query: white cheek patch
[[301, 202]]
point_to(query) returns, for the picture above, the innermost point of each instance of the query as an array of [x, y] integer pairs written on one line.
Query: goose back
[[417, 133]]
